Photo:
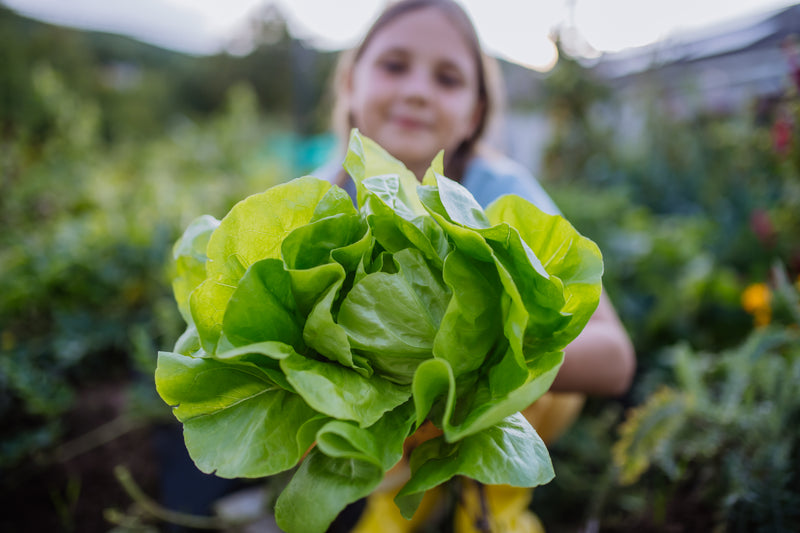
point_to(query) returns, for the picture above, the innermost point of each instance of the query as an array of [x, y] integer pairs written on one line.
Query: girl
[[419, 83]]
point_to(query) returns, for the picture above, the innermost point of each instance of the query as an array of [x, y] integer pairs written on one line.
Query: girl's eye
[[449, 80], [393, 66]]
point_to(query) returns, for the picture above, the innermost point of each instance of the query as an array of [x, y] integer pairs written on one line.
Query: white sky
[[514, 29]]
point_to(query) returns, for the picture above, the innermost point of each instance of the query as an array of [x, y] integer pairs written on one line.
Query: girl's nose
[[417, 85]]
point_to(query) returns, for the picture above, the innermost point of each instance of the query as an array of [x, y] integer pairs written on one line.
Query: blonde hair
[[490, 84]]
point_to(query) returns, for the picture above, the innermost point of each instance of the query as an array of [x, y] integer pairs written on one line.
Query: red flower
[[762, 226], [782, 135]]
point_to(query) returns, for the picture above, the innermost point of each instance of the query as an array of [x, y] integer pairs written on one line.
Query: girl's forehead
[[427, 31]]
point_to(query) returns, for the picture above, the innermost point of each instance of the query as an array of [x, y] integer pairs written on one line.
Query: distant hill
[[118, 72], [140, 87], [72, 51]]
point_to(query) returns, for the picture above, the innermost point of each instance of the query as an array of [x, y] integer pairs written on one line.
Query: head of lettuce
[[324, 334]]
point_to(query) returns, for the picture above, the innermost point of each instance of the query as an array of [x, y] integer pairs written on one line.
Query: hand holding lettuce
[[316, 325]]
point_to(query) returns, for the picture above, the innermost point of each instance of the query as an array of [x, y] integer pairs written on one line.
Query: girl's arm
[[601, 360]]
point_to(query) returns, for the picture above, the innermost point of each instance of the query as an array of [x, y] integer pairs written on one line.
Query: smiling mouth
[[409, 123]]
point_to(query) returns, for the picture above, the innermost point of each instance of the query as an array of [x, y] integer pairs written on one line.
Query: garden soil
[[73, 495]]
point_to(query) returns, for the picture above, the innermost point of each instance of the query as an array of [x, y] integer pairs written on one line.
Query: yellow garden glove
[[506, 509], [382, 515]]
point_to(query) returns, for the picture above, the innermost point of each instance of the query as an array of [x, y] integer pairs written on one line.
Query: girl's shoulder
[[333, 173], [329, 171], [491, 175]]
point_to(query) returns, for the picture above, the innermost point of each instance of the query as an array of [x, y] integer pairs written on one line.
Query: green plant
[[688, 209], [726, 432], [84, 255], [312, 322]]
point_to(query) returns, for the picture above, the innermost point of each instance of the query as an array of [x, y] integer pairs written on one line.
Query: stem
[[125, 479], [97, 437], [482, 522]]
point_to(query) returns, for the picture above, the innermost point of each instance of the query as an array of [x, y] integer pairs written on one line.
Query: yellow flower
[[756, 300], [7, 340]]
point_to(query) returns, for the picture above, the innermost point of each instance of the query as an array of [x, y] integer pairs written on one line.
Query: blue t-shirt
[[486, 177]]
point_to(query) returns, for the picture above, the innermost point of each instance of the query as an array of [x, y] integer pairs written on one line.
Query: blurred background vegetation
[[109, 147]]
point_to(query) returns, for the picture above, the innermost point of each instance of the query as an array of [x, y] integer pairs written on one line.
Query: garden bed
[[72, 493]]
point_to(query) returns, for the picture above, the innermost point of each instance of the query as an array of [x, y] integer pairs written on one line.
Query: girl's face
[[414, 90]]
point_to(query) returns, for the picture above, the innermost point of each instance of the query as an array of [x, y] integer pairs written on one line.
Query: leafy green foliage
[[689, 210], [84, 254], [317, 322], [662, 272], [689, 216], [714, 446], [729, 424]]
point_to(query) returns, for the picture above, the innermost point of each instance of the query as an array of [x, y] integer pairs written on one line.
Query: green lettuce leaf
[[189, 254], [572, 258], [237, 422], [392, 318], [340, 392], [472, 322], [509, 453], [313, 323], [262, 307], [354, 464], [366, 159], [247, 234]]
